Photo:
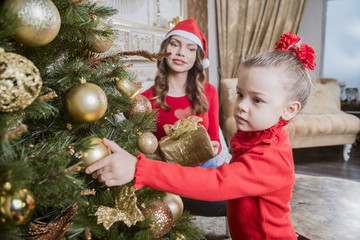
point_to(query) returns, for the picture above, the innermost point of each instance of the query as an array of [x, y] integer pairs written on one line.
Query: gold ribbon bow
[[181, 127]]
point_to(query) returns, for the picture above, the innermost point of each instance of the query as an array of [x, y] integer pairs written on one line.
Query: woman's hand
[[116, 169], [215, 146]]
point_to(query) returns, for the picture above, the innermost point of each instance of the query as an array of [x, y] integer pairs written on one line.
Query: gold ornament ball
[[16, 207], [20, 82], [38, 21], [175, 204], [86, 102], [161, 218], [100, 44], [95, 153], [7, 187], [147, 143], [140, 105]]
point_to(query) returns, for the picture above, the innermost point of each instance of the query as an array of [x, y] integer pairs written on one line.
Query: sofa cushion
[[324, 98], [323, 124]]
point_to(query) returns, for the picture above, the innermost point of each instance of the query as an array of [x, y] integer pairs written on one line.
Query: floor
[[328, 161], [321, 206]]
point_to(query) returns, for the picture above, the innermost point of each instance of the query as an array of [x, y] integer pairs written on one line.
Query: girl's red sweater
[[257, 183]]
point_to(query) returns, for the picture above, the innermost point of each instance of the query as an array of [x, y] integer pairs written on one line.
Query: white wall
[[145, 11], [312, 29], [213, 45]]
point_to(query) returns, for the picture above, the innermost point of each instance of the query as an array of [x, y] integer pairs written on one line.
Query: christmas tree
[[62, 91]]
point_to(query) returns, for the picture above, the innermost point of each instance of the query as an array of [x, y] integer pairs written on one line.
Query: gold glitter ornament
[[100, 44], [20, 82], [86, 102], [147, 143], [129, 88], [175, 204], [16, 206], [161, 218], [98, 151], [125, 210], [38, 21], [140, 105]]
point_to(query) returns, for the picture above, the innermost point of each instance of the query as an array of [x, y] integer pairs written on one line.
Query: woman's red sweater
[[181, 109]]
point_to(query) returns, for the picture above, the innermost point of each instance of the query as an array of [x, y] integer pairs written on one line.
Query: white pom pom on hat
[[190, 30]]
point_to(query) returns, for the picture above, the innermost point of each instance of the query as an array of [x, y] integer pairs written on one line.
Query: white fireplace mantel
[[134, 37], [134, 27]]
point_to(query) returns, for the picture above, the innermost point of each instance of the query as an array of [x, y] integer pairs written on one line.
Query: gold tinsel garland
[[142, 53], [16, 132], [97, 61], [77, 2], [48, 96]]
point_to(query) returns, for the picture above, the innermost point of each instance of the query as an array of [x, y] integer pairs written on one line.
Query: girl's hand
[[215, 146], [116, 169]]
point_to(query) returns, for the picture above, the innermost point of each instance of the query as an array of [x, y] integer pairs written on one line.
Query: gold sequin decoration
[[20, 82]]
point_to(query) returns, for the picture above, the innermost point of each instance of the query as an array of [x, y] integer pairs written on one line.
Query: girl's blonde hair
[[194, 84], [297, 80]]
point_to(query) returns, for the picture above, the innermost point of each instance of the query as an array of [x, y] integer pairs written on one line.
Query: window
[[342, 42]]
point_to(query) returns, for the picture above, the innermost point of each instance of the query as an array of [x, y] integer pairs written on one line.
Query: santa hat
[[190, 30]]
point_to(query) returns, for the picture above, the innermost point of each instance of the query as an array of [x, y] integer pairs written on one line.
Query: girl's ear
[[291, 110]]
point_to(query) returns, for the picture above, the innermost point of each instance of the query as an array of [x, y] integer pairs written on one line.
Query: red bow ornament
[[306, 54]]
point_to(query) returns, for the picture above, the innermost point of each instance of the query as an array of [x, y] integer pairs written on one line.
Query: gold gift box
[[187, 144]]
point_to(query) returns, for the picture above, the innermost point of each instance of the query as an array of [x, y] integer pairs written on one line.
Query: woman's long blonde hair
[[194, 83]]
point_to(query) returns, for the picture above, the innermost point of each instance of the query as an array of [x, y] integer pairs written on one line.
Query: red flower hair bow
[[306, 53]]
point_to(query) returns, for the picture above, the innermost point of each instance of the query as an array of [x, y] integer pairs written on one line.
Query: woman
[[180, 90]]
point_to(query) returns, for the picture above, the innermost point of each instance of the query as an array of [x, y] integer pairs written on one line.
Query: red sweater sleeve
[[260, 171]]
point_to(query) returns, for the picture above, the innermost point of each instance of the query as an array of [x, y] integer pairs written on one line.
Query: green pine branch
[[44, 156]]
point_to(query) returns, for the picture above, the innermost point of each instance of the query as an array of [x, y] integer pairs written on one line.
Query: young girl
[[257, 184]]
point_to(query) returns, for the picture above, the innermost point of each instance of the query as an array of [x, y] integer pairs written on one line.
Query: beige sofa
[[320, 123]]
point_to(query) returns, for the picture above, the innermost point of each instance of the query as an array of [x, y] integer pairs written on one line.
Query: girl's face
[[183, 54], [261, 99]]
